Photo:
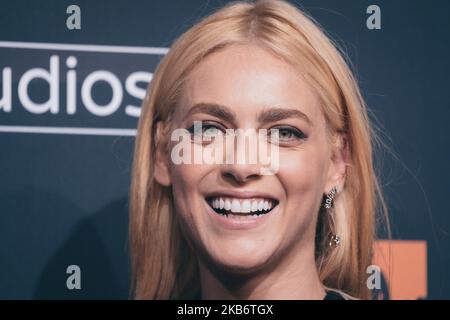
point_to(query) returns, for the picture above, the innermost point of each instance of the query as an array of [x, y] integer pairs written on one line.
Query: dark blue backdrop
[[63, 197]]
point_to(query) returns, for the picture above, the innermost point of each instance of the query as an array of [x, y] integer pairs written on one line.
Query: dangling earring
[[335, 240], [330, 196]]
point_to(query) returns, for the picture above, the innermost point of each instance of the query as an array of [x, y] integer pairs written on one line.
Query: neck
[[294, 277]]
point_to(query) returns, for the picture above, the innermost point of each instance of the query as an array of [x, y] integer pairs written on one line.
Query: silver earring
[[335, 240], [330, 196]]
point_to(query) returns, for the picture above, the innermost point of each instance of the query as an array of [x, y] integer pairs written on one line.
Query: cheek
[[302, 174], [186, 179]]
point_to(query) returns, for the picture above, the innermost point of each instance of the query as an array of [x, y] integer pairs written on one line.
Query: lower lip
[[240, 223]]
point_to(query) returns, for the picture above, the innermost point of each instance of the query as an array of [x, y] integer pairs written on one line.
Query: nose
[[242, 158], [240, 173]]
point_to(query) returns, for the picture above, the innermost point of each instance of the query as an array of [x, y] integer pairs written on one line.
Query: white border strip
[[70, 130], [83, 47]]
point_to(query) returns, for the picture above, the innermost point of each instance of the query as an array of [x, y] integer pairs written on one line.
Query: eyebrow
[[267, 115]]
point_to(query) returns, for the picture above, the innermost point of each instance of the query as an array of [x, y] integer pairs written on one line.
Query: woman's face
[[236, 216]]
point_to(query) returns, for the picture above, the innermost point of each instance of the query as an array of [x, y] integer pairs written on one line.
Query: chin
[[241, 257]]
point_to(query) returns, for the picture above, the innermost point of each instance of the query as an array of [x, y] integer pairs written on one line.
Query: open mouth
[[228, 206]]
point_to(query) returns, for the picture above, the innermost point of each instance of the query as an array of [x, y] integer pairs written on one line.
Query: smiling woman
[[229, 229]]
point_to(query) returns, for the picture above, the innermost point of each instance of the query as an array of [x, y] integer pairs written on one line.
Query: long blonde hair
[[163, 263]]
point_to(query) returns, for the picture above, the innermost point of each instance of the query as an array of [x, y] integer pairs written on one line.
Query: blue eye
[[286, 135], [206, 130], [211, 131]]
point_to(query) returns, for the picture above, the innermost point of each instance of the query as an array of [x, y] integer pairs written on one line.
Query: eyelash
[[205, 126], [300, 135]]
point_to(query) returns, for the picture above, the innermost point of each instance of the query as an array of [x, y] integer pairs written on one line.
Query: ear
[[162, 170], [339, 162]]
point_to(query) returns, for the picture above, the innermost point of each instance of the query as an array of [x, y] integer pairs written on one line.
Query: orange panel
[[404, 266]]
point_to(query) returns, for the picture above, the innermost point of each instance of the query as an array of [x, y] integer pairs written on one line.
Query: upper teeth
[[241, 205]]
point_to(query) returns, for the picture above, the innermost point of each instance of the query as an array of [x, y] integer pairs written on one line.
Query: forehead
[[247, 79]]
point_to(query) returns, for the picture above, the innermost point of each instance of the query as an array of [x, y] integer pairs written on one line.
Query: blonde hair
[[163, 262]]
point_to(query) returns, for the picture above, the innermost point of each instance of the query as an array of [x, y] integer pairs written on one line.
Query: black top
[[333, 295], [330, 295]]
